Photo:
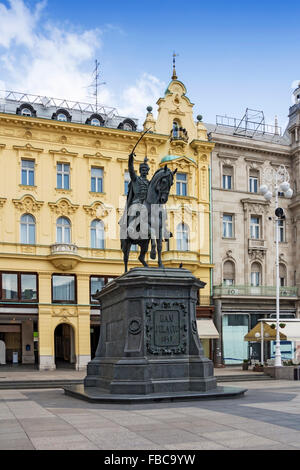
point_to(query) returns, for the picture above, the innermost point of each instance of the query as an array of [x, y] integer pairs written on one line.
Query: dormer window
[[127, 125], [62, 115], [26, 110], [95, 120]]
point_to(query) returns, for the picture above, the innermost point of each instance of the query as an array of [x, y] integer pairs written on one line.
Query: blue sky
[[232, 55]]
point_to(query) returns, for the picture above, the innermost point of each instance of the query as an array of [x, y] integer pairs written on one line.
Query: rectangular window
[[126, 182], [63, 176], [9, 286], [253, 181], [228, 282], [63, 289], [281, 231], [19, 287], [181, 184], [96, 284], [227, 226], [255, 227], [28, 287], [255, 279], [27, 178], [96, 180], [227, 177]]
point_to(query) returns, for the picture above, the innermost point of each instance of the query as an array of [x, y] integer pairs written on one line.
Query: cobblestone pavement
[[267, 417]]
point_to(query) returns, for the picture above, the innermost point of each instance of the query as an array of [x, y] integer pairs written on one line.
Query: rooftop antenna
[[96, 84]]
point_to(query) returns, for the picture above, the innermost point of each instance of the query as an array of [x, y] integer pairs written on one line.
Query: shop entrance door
[[64, 346]]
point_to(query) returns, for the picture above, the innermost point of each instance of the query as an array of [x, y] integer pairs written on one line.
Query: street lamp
[[274, 180]]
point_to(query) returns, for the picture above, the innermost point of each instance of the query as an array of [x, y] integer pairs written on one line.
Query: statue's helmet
[[144, 165]]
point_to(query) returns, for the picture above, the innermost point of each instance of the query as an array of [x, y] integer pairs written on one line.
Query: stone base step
[[24, 384], [243, 378]]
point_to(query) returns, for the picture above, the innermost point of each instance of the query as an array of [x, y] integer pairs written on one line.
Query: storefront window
[[97, 284], [63, 289], [9, 286], [28, 287]]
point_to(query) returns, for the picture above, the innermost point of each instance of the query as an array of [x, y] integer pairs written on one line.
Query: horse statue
[[144, 218]]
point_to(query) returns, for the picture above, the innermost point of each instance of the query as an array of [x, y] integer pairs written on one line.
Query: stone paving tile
[[27, 410], [12, 395], [120, 440], [168, 436], [44, 424], [61, 442], [84, 422], [197, 445], [15, 441], [8, 426], [199, 428]]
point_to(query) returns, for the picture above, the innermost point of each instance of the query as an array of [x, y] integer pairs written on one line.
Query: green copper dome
[[169, 158]]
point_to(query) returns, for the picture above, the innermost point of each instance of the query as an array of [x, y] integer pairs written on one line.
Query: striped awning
[[207, 329]]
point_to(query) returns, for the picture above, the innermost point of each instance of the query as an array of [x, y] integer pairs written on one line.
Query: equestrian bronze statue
[[145, 217]]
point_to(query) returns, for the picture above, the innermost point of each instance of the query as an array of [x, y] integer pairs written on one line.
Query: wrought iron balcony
[[260, 291]]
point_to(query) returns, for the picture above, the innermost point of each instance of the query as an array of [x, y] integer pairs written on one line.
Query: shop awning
[[207, 329], [291, 329], [268, 332]]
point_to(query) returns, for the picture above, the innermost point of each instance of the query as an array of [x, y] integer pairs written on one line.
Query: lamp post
[[274, 180]]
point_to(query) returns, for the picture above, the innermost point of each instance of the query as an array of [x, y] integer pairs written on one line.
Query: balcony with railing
[[64, 256], [259, 291]]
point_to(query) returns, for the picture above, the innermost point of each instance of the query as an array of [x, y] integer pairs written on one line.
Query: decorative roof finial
[[174, 76]]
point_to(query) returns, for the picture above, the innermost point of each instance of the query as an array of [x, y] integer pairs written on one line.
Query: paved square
[[267, 417]]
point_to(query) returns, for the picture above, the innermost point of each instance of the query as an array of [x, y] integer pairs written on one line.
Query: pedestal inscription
[[166, 328]]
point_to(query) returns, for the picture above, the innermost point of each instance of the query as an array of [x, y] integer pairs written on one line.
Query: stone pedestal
[[149, 341]]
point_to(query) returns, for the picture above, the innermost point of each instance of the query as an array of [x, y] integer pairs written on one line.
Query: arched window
[[97, 234], [282, 275], [182, 237], [95, 122], [26, 112], [127, 125], [62, 115], [175, 129], [229, 273], [28, 229], [255, 274], [63, 230]]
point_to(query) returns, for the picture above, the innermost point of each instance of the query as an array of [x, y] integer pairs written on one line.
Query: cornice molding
[[98, 155], [63, 151], [28, 148], [284, 151]]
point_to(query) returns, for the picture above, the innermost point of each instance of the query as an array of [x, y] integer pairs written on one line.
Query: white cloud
[[18, 23], [56, 61], [145, 92]]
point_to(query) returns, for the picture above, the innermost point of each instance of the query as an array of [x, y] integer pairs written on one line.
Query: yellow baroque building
[[63, 189]]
